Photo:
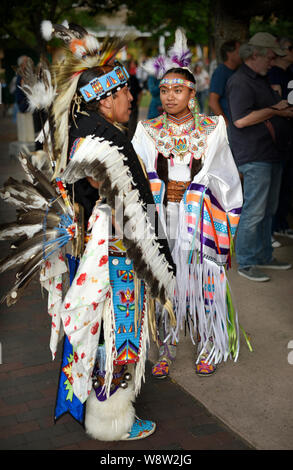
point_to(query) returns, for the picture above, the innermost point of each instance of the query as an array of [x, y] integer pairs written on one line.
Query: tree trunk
[[211, 38], [228, 25]]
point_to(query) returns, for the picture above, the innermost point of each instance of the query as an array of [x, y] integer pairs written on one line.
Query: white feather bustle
[[139, 228], [112, 419], [79, 52], [47, 30], [91, 43], [40, 95]]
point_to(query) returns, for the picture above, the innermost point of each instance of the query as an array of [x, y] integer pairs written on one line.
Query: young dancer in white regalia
[[198, 195]]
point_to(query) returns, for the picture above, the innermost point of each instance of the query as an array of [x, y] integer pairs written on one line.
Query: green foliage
[[278, 26], [162, 16], [21, 19]]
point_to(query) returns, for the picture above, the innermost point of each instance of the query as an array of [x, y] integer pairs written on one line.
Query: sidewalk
[[28, 384], [244, 405]]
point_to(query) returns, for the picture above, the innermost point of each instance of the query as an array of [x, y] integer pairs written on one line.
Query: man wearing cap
[[259, 132], [280, 75]]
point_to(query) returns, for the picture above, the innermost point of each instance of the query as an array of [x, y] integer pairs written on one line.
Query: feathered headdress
[[53, 89], [83, 52], [179, 55]]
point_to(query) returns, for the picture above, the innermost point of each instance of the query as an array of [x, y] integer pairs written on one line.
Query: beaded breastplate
[[178, 139]]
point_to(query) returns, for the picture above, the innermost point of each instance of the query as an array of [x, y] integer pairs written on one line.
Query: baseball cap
[[266, 40]]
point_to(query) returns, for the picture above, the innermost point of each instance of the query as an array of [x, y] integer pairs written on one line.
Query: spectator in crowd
[[12, 90], [259, 132], [22, 105], [202, 85], [281, 73], [25, 121], [212, 67], [142, 75], [155, 108], [231, 60], [20, 97], [279, 76], [132, 66]]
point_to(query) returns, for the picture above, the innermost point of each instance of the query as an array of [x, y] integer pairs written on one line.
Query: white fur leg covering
[[112, 419]]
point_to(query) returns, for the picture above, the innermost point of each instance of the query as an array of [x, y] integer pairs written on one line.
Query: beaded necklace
[[181, 138], [178, 121], [178, 139]]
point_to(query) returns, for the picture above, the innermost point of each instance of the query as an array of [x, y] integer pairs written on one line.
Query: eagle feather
[[27, 249]]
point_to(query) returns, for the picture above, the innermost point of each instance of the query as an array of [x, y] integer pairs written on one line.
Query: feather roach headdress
[[179, 55], [83, 51]]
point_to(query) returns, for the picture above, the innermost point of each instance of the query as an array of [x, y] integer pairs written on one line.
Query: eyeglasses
[[289, 48]]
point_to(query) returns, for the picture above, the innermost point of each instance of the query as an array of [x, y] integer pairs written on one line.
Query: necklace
[[180, 140], [187, 118], [179, 130]]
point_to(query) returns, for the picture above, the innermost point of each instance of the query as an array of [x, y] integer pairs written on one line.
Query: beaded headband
[[104, 85], [169, 82]]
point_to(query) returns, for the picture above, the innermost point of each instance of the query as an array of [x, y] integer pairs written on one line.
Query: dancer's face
[[117, 107], [122, 105], [175, 98]]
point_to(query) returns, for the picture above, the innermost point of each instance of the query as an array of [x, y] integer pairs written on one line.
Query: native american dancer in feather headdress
[[192, 172], [96, 182]]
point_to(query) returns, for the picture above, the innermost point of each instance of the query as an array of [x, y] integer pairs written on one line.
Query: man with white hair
[[259, 133]]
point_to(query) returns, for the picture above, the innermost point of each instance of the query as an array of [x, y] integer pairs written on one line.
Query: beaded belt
[[176, 189]]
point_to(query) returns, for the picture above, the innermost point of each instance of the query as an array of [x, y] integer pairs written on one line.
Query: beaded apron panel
[[127, 337]]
